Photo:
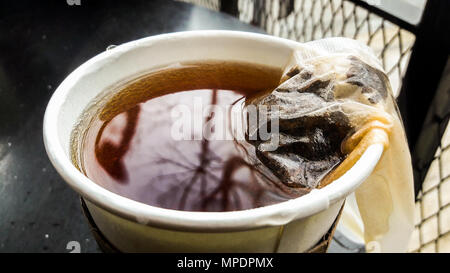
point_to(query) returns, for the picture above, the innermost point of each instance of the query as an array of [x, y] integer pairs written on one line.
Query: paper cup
[[292, 226]]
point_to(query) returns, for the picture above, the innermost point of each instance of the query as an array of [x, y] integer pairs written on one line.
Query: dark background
[[41, 42]]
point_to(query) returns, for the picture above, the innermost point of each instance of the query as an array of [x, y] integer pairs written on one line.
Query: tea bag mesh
[[334, 100]]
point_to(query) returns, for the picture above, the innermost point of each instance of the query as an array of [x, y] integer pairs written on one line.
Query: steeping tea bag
[[334, 100]]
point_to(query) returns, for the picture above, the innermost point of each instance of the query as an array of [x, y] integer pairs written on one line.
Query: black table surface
[[40, 44]]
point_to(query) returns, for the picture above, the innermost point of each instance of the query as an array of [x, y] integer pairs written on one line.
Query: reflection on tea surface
[[137, 156]]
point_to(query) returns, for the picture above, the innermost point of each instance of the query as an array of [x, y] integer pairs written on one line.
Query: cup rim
[[266, 216]]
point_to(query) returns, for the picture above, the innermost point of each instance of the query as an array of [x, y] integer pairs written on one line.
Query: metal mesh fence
[[432, 233], [306, 20]]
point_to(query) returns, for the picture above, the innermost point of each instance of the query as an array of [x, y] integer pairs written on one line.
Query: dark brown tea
[[131, 142]]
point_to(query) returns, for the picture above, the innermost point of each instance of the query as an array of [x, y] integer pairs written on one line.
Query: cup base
[[107, 247]]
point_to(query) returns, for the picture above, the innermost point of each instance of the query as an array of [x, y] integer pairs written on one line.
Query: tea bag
[[334, 101]]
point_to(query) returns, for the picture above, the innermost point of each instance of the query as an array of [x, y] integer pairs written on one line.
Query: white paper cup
[[292, 226]]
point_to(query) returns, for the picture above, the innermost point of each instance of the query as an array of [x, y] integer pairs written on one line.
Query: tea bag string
[[376, 130]]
